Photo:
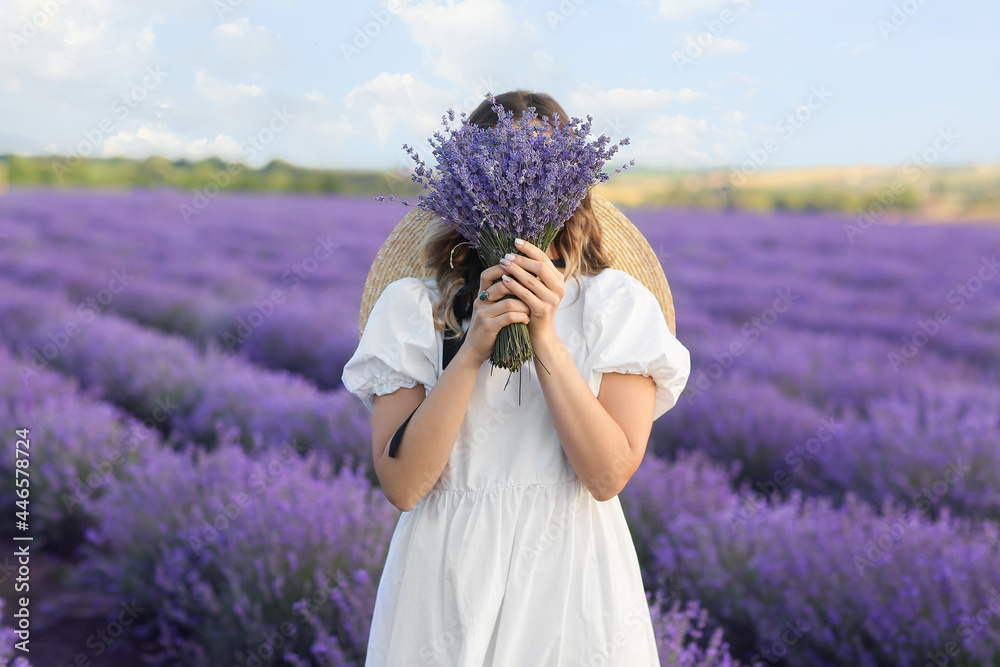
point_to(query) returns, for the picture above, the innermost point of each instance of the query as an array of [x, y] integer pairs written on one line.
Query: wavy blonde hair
[[578, 242]]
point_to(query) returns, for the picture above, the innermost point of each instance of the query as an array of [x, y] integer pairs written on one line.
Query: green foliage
[[156, 171]]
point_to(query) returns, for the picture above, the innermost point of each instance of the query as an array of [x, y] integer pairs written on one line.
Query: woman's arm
[[604, 437], [428, 439], [429, 436]]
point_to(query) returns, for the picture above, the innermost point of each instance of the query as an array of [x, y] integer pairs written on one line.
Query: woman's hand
[[489, 317], [537, 283]]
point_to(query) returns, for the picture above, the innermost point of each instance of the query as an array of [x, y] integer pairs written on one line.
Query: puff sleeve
[[626, 333], [399, 346]]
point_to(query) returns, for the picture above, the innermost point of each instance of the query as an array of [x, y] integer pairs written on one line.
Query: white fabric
[[508, 559]]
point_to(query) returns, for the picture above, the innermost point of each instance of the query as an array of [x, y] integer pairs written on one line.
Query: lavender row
[[805, 411], [274, 278], [78, 446], [919, 287], [274, 559], [191, 395], [231, 552], [806, 584]]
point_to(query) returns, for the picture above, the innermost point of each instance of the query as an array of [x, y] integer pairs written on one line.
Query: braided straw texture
[[399, 257]]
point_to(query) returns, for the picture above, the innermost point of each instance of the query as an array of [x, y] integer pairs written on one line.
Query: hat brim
[[399, 257]]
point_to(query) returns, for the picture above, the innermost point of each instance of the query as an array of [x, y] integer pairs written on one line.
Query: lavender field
[[825, 492]]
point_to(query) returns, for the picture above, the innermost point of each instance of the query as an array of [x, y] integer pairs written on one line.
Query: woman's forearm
[[430, 435], [595, 444]]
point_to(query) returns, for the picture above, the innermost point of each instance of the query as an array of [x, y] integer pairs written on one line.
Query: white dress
[[509, 560]]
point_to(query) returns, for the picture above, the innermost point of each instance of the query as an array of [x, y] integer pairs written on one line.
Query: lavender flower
[[229, 551], [518, 179]]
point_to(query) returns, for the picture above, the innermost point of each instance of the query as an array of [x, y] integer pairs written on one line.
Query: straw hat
[[399, 256]]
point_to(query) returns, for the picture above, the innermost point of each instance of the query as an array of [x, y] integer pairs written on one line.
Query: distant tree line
[[942, 192]]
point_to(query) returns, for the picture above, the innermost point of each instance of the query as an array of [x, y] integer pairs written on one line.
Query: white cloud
[[734, 117], [244, 48], [80, 42], [679, 9], [463, 42], [675, 140], [222, 92], [396, 102], [745, 78], [639, 100], [659, 136], [705, 44], [150, 140], [618, 112]]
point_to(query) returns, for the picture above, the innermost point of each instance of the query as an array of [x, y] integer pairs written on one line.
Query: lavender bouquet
[[519, 179]]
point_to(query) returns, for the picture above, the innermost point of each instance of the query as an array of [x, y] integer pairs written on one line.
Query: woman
[[512, 548]]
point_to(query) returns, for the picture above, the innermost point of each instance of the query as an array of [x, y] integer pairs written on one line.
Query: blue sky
[[692, 83]]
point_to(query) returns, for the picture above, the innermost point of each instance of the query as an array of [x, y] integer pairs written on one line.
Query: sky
[[692, 83]]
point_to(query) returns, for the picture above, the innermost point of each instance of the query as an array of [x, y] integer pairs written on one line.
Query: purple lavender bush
[[8, 651], [853, 585], [234, 554], [165, 378], [915, 406], [930, 441], [680, 634], [80, 446], [274, 278]]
